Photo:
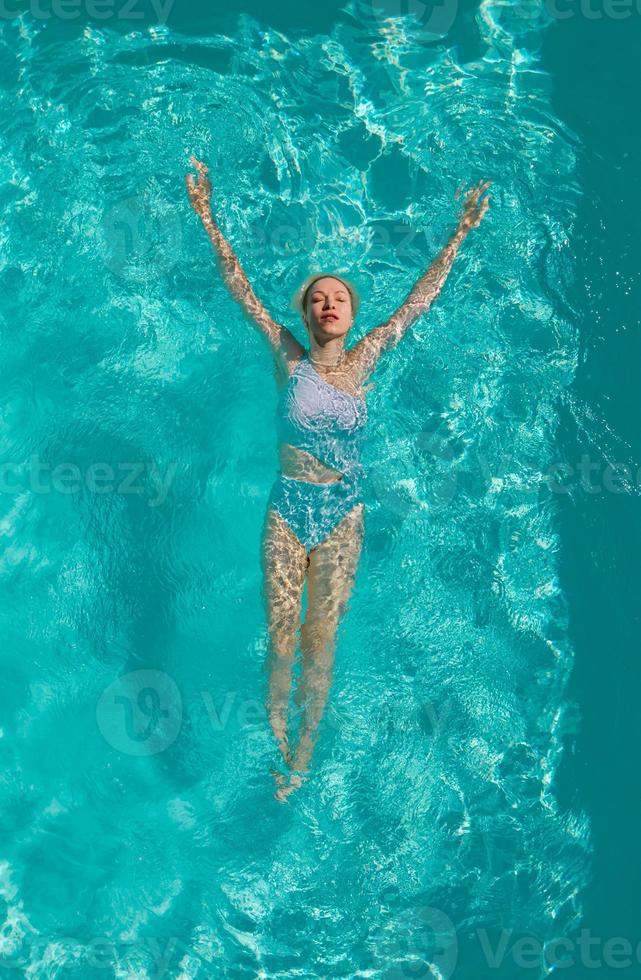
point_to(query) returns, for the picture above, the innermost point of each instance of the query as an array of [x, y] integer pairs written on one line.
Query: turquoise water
[[451, 810]]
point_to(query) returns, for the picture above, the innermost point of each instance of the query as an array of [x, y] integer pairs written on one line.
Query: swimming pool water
[[141, 835]]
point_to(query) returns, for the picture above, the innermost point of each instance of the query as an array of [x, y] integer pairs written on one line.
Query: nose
[[328, 303]]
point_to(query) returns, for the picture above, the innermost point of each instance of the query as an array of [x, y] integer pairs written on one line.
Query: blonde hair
[[300, 296]]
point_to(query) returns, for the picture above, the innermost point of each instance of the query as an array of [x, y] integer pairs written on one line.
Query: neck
[[329, 355]]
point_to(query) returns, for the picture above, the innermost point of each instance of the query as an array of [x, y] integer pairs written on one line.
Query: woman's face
[[328, 308]]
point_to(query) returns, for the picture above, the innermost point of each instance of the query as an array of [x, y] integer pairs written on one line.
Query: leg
[[284, 561], [332, 568]]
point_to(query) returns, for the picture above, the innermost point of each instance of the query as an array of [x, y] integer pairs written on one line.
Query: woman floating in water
[[314, 523]]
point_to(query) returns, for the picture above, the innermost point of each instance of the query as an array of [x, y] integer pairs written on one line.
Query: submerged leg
[[332, 568], [284, 562]]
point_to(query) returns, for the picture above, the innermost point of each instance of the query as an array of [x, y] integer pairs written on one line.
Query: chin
[[333, 330]]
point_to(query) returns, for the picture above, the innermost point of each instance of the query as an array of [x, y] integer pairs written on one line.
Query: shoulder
[[285, 366], [289, 349], [363, 356]]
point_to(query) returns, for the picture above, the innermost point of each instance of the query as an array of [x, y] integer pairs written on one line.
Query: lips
[[329, 316]]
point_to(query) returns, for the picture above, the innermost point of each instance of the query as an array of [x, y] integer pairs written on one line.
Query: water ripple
[[434, 788]]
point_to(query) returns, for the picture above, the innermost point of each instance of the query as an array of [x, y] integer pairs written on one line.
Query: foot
[[287, 786], [280, 779], [283, 748]]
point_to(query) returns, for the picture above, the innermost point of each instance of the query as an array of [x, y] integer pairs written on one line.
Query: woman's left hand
[[475, 206], [200, 192]]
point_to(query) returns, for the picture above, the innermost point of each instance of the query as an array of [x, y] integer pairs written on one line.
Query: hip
[[347, 487]]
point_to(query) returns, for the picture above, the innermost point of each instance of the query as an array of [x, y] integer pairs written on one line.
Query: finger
[[471, 199]]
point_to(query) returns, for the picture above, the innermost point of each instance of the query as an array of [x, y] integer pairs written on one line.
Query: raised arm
[[281, 340], [366, 352]]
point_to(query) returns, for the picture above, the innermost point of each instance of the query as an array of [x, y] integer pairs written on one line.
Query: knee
[[282, 634], [318, 635]]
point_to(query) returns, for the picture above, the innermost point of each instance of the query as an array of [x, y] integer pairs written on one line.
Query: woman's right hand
[[199, 192], [475, 206]]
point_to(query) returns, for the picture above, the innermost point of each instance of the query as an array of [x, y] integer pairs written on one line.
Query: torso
[[296, 463], [341, 378], [299, 465]]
